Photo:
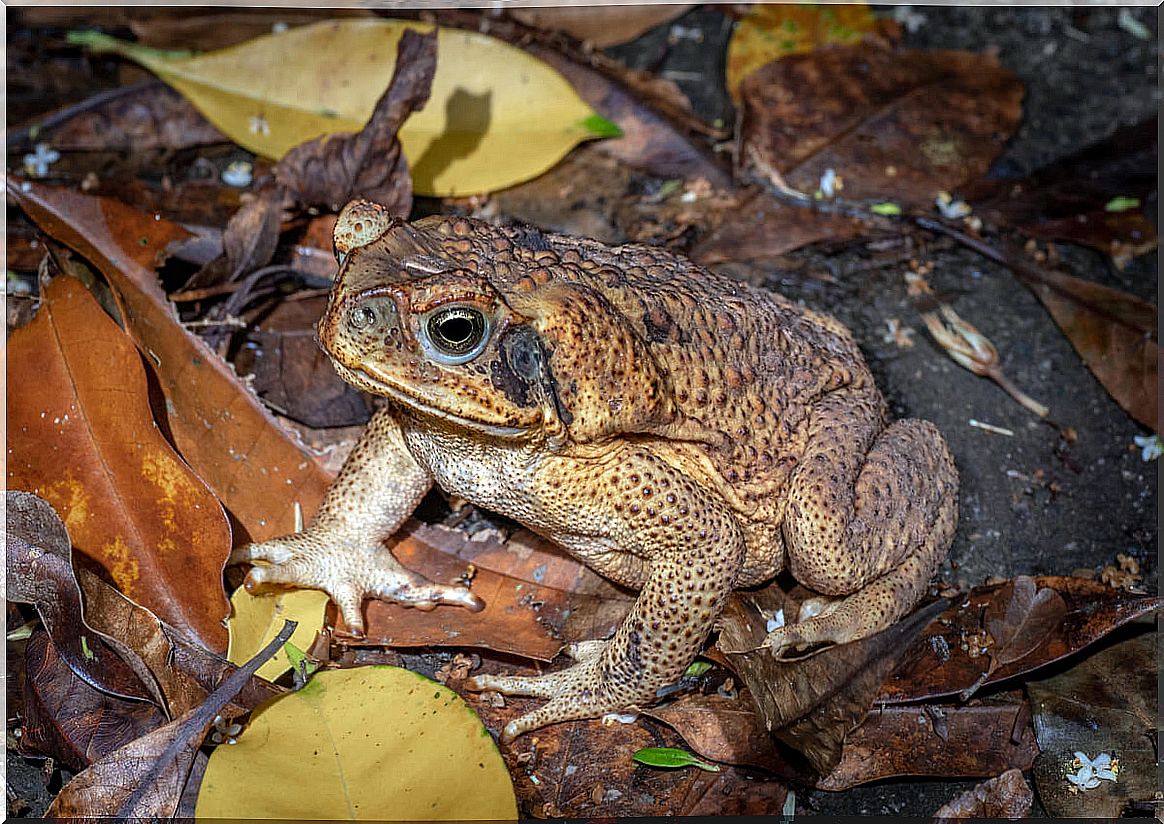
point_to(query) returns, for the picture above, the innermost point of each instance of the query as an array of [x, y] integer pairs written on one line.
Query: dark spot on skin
[[634, 649], [661, 327], [530, 238]]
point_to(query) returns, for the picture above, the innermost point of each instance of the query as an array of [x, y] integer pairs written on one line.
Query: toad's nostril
[[361, 317]]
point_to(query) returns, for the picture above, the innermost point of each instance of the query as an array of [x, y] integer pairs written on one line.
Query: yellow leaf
[[365, 743], [256, 619], [497, 115], [770, 32]]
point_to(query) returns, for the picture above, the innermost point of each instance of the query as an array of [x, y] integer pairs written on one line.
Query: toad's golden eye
[[455, 334]]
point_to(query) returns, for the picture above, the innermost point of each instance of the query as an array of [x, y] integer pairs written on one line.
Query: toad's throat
[[374, 383]]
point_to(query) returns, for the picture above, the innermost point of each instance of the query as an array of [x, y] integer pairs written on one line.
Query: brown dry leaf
[[1020, 617], [759, 229], [145, 778], [813, 703], [85, 440], [221, 429], [194, 29], [1107, 703], [1115, 334], [66, 718], [901, 125], [334, 169], [555, 772], [725, 730], [601, 26], [293, 375], [185, 672], [967, 741], [530, 594], [771, 31], [143, 117], [927, 740], [940, 661], [252, 234], [1066, 199], [39, 571], [1007, 796]]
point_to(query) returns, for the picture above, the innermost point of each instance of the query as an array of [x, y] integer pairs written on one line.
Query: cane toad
[[679, 432]]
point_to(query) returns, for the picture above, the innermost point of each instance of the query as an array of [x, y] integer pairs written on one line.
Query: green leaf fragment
[[1121, 204], [885, 209], [671, 758], [599, 126], [697, 668], [299, 660], [103, 43]]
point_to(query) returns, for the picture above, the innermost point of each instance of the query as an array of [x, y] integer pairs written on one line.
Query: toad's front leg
[[693, 549], [342, 551]]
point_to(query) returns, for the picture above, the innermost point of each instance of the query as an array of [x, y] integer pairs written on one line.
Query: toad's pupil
[[457, 330], [362, 317]]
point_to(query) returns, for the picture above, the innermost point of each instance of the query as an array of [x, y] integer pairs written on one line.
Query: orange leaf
[[82, 436], [218, 425]]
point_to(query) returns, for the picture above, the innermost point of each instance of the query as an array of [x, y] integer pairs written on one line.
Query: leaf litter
[[602, 792]]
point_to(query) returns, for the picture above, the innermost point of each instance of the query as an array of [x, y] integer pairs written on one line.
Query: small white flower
[[830, 182], [238, 174], [1092, 771], [951, 209], [259, 125], [37, 164], [1151, 447], [776, 621]]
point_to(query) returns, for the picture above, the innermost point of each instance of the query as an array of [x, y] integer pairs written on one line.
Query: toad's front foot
[[588, 689], [348, 571]]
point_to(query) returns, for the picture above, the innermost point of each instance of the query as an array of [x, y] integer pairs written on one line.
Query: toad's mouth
[[364, 379]]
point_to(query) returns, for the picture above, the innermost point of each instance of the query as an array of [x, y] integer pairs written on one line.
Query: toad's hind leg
[[871, 528]]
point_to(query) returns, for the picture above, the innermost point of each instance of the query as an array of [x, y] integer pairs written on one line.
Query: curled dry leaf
[[1007, 796], [39, 571], [336, 168], [185, 671], [87, 443], [145, 778], [901, 125], [252, 233], [942, 661], [813, 703], [66, 718], [218, 425]]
